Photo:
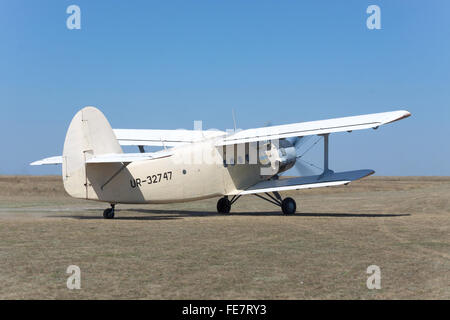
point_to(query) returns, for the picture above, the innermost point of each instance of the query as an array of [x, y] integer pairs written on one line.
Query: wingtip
[[406, 114], [396, 116]]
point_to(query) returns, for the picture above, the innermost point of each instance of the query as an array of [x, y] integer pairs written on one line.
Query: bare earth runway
[[188, 251]]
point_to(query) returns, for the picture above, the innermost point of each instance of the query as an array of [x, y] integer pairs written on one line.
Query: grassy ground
[[187, 251]]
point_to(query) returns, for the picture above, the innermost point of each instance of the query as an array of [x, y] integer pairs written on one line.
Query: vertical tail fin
[[89, 134]]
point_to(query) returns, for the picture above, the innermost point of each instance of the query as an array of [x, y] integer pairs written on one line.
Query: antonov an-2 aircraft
[[195, 164]]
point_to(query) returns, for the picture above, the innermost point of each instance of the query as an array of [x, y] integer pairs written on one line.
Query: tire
[[288, 206], [223, 205], [108, 213]]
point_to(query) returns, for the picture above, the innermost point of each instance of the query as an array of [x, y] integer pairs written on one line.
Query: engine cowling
[[281, 155]]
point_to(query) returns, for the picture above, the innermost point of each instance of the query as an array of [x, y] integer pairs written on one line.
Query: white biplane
[[197, 164]]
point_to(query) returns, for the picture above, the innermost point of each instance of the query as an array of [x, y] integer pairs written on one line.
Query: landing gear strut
[[109, 213], [288, 205], [224, 204]]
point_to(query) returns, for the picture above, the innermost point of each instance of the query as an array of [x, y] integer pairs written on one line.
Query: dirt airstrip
[[188, 251]]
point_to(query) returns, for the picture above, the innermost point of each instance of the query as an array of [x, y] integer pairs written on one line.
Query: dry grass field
[[188, 251]]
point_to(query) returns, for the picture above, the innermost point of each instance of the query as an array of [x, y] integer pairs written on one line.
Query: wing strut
[[326, 169]]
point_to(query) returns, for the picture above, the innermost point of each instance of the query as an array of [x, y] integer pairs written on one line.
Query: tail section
[[89, 134]]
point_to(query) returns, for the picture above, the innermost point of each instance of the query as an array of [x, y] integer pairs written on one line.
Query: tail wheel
[[223, 205], [108, 213], [288, 206]]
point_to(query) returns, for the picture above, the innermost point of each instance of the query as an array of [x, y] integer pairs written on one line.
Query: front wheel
[[288, 206]]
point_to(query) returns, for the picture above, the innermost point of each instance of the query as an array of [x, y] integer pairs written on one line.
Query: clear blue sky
[[163, 64]]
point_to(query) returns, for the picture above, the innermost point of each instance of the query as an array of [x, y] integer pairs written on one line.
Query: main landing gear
[[223, 205], [109, 213], [288, 205]]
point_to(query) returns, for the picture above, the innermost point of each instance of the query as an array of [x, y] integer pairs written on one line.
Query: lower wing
[[318, 181]]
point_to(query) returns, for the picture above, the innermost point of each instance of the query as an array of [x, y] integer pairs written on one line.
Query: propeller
[[303, 167]]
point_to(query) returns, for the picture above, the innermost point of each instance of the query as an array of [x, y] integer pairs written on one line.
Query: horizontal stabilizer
[[51, 160], [318, 181], [127, 157], [109, 158]]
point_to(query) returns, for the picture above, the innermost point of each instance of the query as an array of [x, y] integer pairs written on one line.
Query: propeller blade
[[303, 168], [299, 141]]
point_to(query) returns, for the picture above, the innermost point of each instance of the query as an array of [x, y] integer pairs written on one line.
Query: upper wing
[[145, 137], [315, 127], [168, 138], [328, 180]]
